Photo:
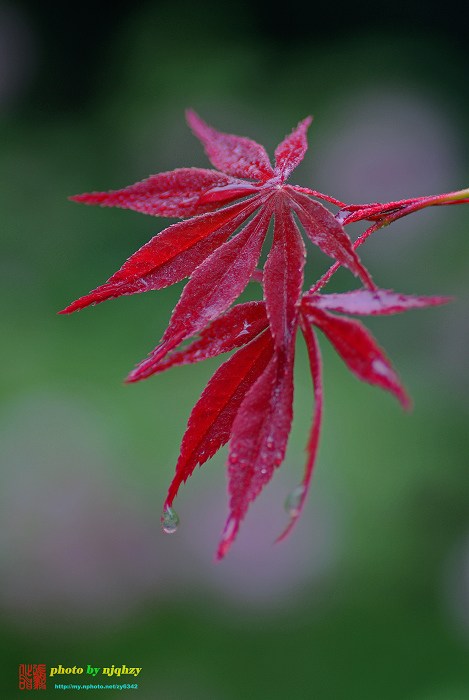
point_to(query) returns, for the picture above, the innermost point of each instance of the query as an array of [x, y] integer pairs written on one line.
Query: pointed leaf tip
[[233, 155], [366, 302], [171, 255], [228, 537], [176, 193], [299, 494], [210, 422], [258, 438], [359, 350], [290, 152]]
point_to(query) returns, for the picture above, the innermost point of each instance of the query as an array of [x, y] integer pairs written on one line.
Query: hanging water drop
[[293, 501], [169, 520]]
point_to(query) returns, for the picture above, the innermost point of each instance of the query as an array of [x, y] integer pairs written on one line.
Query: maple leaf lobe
[[234, 155], [290, 152]]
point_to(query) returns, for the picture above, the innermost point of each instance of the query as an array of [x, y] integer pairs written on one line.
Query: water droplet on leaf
[[169, 520], [293, 501]]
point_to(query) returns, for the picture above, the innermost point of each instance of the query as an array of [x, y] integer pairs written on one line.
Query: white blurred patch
[[258, 575], [389, 145], [74, 542], [79, 545]]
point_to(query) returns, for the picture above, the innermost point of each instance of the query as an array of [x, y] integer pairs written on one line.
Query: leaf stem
[[406, 207]]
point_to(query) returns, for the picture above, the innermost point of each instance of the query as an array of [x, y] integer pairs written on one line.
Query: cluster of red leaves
[[249, 399]]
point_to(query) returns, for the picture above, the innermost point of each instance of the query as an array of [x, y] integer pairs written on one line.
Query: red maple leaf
[[249, 399]]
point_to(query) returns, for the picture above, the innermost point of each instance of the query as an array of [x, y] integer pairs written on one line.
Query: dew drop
[[169, 520], [233, 459], [293, 501], [270, 444]]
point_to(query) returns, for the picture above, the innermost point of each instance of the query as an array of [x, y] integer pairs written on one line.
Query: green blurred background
[[369, 597]]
